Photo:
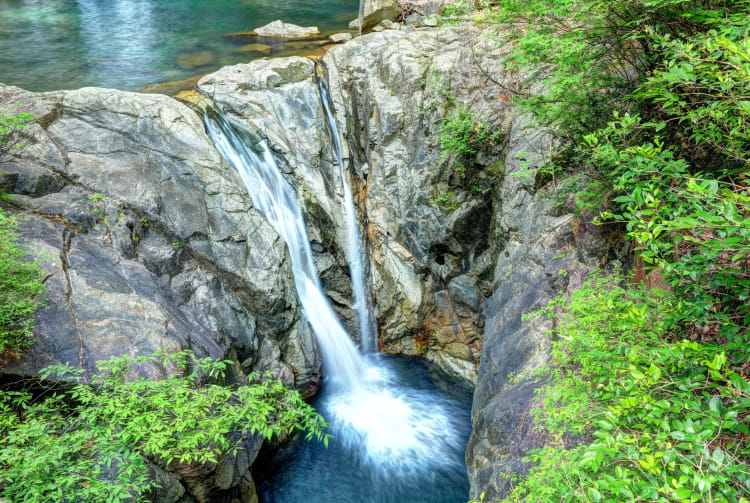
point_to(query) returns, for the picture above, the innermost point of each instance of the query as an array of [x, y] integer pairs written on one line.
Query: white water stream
[[394, 429], [275, 198], [368, 336]]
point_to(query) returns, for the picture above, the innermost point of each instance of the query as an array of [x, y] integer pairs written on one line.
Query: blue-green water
[[128, 44], [372, 458]]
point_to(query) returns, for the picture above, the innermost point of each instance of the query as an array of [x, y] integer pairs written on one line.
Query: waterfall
[[396, 430], [354, 256], [275, 198]]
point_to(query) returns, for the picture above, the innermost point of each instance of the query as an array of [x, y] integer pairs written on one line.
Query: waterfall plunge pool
[[399, 439]]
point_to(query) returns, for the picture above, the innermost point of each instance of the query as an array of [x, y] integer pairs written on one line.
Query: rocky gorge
[[150, 240]]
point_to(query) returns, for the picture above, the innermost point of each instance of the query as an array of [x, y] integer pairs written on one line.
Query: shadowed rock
[[372, 12]]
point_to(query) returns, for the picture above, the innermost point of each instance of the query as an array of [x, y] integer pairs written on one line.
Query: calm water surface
[[128, 44]]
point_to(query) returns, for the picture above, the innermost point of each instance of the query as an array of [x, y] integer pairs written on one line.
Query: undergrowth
[[21, 290], [94, 441], [668, 415]]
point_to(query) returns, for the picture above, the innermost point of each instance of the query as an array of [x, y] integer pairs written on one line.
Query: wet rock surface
[[278, 100], [259, 48]]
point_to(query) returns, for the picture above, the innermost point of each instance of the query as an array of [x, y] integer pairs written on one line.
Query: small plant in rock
[[12, 120], [145, 222], [96, 204], [177, 245], [462, 136], [446, 202]]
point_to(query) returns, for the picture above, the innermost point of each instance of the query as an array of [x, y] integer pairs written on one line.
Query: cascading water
[[393, 440], [368, 338], [275, 198]]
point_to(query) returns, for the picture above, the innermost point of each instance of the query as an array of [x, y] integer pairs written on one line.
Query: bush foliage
[[93, 441], [651, 101], [11, 119], [668, 415]]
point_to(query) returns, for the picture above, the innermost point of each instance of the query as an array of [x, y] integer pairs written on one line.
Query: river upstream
[[47, 45]]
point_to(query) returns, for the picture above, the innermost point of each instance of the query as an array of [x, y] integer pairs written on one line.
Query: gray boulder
[[138, 183], [288, 31], [372, 12], [338, 38]]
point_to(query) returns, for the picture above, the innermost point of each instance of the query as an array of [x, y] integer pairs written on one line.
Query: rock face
[[429, 225], [138, 174], [541, 256], [150, 242], [372, 12]]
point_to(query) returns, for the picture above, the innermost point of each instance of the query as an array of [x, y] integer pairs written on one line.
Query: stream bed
[[400, 440]]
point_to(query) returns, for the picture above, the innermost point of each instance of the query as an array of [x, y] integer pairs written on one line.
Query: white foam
[[396, 429]]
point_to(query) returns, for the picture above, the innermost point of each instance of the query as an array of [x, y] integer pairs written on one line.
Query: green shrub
[[592, 55], [462, 137], [691, 226], [21, 290], [446, 202], [702, 86], [668, 416], [91, 442]]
